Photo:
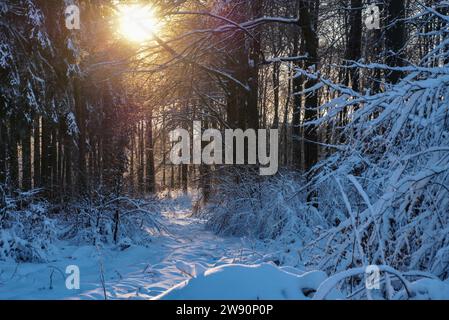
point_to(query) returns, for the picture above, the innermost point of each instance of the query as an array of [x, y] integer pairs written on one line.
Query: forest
[[339, 188]]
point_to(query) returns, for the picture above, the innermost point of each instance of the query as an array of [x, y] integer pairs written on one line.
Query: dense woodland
[[85, 117], [84, 109]]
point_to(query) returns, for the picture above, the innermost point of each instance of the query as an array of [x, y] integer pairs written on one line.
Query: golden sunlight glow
[[137, 23]]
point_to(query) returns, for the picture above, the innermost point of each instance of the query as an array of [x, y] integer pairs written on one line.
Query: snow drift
[[269, 282], [248, 282]]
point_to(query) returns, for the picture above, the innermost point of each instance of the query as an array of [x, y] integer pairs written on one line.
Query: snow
[[137, 272], [185, 262], [247, 282], [430, 289], [382, 195]]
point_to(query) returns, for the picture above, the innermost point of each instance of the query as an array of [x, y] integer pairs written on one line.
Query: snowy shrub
[[385, 192], [263, 208], [253, 206], [30, 227], [381, 197], [26, 233], [122, 221]]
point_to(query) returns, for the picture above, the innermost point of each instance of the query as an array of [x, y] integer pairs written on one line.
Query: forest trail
[[137, 272], [187, 244]]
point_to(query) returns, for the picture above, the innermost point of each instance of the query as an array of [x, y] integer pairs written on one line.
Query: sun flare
[[138, 23]]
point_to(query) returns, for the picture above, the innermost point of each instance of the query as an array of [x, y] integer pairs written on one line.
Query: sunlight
[[137, 23]]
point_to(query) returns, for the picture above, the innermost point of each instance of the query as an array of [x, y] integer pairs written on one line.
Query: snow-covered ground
[[249, 282], [137, 272], [186, 262]]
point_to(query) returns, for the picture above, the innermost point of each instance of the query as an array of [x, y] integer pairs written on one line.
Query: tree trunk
[[36, 152], [395, 38], [353, 53], [150, 174], [13, 156], [298, 83], [54, 160], [3, 151], [82, 135], [45, 155], [164, 155], [307, 18], [253, 65], [26, 158], [276, 74], [68, 164], [354, 44], [184, 177], [132, 161]]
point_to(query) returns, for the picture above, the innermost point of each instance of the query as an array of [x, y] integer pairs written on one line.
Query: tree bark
[[150, 174], [45, 155], [354, 44], [307, 18], [395, 38], [68, 164], [253, 66], [26, 158], [13, 156], [276, 75], [3, 151], [82, 135], [36, 152], [298, 83]]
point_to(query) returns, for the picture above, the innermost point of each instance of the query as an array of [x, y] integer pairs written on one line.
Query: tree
[[395, 38], [308, 16], [354, 43]]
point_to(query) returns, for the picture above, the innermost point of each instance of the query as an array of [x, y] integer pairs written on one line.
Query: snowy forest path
[[137, 272], [189, 245]]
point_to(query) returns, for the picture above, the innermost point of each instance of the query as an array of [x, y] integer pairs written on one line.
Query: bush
[[26, 233], [264, 208], [112, 220]]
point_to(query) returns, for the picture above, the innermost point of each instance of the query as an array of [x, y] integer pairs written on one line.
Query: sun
[[137, 23]]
